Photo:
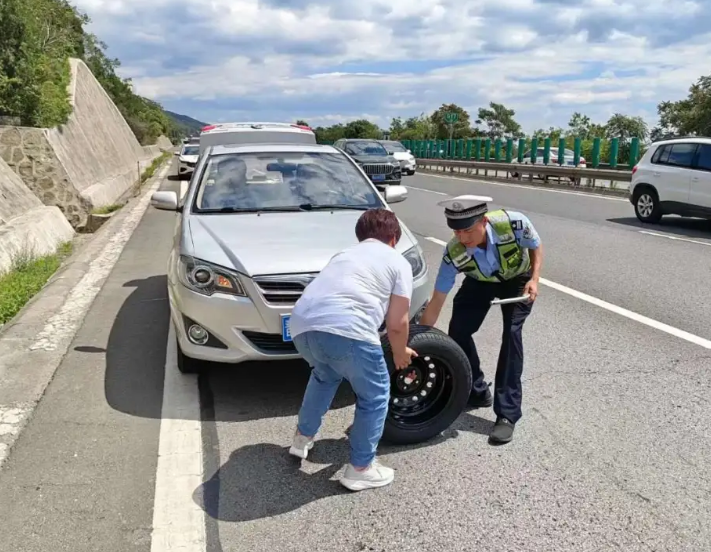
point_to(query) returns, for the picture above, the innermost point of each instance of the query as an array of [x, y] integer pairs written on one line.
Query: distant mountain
[[186, 125]]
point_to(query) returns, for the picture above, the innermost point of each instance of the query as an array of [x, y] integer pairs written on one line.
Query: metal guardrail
[[483, 168]]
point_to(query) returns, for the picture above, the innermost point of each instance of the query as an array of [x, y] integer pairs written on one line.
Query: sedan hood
[[402, 156], [275, 243], [373, 159]]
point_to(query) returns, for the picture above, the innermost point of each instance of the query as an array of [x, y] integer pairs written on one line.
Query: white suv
[[673, 178]]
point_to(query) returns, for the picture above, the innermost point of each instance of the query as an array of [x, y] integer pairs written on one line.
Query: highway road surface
[[125, 454]]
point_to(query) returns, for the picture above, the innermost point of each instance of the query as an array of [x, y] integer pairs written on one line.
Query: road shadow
[[136, 361], [174, 177], [262, 480], [261, 390], [136, 350], [680, 226]]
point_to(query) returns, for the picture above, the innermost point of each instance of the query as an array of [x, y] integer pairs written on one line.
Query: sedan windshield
[[283, 181], [395, 146], [191, 150], [366, 148]]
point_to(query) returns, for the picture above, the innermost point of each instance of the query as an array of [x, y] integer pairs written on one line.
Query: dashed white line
[[426, 190], [178, 519], [676, 332], [675, 238], [537, 188], [183, 188]]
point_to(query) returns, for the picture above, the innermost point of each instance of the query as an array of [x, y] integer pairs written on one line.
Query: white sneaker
[[375, 476], [301, 446]]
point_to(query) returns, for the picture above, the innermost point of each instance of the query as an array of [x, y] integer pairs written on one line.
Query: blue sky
[[338, 60]]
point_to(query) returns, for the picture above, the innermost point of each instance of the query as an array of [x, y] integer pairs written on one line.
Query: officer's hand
[[531, 288], [403, 359]]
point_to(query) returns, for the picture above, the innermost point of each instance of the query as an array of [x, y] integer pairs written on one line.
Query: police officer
[[500, 254]]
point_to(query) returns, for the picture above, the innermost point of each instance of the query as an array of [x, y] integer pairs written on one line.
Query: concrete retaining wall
[[91, 161], [27, 227]]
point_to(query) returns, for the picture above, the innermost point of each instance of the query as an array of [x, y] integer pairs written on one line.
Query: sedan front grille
[[270, 343], [283, 289], [378, 168]]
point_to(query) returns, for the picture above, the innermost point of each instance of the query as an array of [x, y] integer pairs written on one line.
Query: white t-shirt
[[351, 295]]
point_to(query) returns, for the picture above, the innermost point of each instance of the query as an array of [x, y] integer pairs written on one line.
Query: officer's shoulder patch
[[517, 224], [527, 232]]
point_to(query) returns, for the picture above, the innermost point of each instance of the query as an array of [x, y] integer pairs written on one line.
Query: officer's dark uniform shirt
[[488, 259]]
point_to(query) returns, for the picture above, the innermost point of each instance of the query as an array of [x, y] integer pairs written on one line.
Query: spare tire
[[427, 397]]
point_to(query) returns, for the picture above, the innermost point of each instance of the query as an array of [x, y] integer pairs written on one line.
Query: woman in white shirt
[[335, 328]]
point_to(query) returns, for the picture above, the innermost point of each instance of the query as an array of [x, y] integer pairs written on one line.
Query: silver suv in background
[[257, 224]]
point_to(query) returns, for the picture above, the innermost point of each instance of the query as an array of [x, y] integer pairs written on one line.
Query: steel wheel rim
[[420, 392], [645, 205]]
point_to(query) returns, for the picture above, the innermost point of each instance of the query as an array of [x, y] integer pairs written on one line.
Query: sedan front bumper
[[240, 330]]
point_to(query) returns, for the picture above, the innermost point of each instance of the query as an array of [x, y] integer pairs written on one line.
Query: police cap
[[465, 210]]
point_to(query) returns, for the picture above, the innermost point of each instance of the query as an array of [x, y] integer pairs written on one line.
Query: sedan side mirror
[[165, 201], [395, 194]]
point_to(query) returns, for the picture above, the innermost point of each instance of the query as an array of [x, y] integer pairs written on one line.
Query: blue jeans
[[334, 358]]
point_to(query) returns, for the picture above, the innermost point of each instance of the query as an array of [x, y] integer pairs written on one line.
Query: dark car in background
[[382, 168]]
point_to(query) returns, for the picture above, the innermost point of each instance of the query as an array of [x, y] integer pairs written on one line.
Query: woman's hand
[[404, 358]]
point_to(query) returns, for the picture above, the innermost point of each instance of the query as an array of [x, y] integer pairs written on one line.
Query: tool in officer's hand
[[521, 299]]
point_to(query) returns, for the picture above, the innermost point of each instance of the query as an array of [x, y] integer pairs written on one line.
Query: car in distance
[[223, 134], [382, 169], [257, 223], [408, 163], [187, 158], [673, 177]]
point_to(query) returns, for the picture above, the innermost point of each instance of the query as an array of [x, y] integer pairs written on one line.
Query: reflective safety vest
[[514, 259]]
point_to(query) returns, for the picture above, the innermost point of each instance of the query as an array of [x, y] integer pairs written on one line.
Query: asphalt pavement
[[610, 454]]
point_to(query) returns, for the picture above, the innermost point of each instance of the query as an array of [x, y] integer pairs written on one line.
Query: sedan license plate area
[[378, 177], [285, 328]]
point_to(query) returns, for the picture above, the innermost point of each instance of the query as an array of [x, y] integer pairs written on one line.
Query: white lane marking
[[676, 332], [183, 188], [534, 188], [674, 238], [12, 420], [63, 324], [178, 519], [426, 190]]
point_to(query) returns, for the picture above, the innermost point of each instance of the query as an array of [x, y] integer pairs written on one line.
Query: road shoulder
[[34, 343]]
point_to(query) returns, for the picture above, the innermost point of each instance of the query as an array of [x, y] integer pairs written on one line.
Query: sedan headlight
[[207, 278], [417, 262]]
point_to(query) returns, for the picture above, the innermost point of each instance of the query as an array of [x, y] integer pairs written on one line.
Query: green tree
[[441, 128], [579, 125], [362, 128], [499, 121], [625, 128], [414, 128], [690, 116]]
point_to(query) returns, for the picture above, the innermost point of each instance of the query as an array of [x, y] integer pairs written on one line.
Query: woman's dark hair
[[379, 224]]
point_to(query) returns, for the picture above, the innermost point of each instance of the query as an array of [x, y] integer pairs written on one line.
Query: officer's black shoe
[[502, 432], [481, 400]]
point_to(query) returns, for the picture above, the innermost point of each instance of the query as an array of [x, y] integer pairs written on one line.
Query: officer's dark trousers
[[471, 305]]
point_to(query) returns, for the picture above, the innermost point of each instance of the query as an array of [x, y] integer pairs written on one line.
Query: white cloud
[[335, 60]]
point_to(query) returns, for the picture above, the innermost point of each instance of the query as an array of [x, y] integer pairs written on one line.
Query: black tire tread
[[186, 365], [438, 342]]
